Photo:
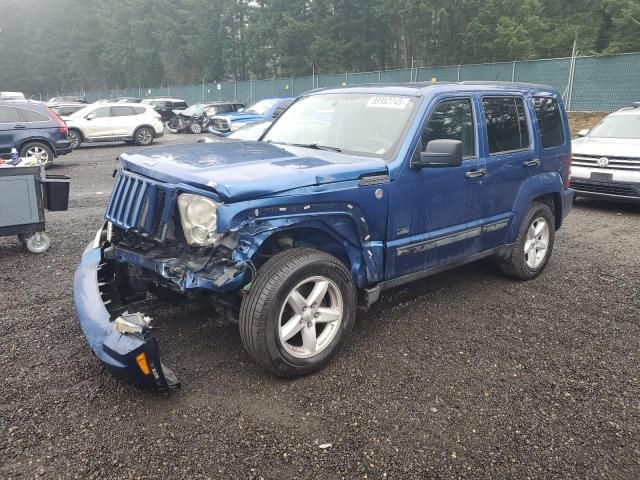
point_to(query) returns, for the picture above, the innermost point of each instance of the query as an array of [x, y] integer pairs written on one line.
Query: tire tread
[[255, 306], [514, 266]]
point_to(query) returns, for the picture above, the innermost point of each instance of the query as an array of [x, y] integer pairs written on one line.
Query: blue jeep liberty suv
[[350, 192]]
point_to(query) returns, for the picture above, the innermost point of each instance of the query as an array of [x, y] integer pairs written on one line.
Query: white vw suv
[[606, 160], [122, 122]]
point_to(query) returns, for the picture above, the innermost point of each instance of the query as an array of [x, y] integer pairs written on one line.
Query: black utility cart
[[25, 193]]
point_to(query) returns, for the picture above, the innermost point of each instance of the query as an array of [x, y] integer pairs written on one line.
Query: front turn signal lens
[[141, 360]]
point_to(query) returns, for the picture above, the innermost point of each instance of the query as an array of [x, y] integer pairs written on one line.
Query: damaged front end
[[123, 341]]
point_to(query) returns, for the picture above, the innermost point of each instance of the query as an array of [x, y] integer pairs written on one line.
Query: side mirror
[[584, 132], [439, 154], [91, 116]]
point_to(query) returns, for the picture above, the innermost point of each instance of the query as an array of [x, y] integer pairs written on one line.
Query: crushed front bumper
[[134, 357]]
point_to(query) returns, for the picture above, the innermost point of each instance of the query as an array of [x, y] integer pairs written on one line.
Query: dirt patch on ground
[[580, 120]]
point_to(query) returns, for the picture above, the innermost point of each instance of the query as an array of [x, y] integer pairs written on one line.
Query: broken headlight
[[199, 217]]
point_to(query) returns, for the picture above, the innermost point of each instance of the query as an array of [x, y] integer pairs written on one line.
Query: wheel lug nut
[[316, 315], [304, 309]]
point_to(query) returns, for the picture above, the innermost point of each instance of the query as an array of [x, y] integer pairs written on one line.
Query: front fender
[[342, 222]]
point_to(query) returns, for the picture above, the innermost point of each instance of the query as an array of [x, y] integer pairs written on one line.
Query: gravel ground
[[465, 375]]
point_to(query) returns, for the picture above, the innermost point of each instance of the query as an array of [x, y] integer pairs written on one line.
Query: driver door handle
[[532, 163], [476, 173]]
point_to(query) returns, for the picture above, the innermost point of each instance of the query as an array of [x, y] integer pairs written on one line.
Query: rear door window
[[507, 126], [452, 120], [9, 115], [30, 116], [549, 121], [122, 111]]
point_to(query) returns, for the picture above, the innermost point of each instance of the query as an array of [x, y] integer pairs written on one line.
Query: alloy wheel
[[310, 317], [39, 153], [537, 243], [74, 139], [144, 137]]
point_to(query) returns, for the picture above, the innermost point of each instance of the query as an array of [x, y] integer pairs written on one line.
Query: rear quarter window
[[139, 110], [30, 116], [549, 121]]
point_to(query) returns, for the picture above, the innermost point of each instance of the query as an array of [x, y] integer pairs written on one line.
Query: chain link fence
[[598, 84]]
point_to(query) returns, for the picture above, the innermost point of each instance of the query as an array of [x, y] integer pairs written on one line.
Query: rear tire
[[298, 313], [144, 136], [534, 245], [40, 150]]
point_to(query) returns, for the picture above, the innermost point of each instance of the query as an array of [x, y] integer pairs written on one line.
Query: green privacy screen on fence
[[601, 84]]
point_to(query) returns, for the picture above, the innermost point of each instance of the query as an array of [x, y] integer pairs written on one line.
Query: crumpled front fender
[[125, 354]]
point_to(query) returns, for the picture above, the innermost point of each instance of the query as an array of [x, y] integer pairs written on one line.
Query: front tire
[[298, 313], [533, 248], [195, 128], [75, 138], [144, 136]]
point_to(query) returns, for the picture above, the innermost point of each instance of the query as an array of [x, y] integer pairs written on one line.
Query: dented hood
[[241, 170]]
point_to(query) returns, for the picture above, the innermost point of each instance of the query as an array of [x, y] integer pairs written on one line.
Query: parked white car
[[606, 160], [123, 122], [12, 96]]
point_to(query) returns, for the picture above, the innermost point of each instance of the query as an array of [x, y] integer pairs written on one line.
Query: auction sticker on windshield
[[388, 102]]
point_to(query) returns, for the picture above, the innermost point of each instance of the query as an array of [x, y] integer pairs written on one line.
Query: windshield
[[196, 109], [618, 126], [360, 124], [82, 112], [262, 106]]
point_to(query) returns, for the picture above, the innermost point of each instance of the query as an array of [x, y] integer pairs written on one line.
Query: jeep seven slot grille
[[613, 163], [140, 205]]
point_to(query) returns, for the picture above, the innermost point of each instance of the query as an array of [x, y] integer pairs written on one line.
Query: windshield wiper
[[316, 146]]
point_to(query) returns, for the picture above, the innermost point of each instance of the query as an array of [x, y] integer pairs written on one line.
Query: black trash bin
[[56, 192]]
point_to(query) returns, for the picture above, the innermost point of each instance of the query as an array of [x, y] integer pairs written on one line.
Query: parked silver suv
[[606, 160]]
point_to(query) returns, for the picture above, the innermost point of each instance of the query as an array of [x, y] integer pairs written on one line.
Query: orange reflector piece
[[141, 360]]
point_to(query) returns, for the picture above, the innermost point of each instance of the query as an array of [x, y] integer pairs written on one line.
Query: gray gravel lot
[[464, 375]]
